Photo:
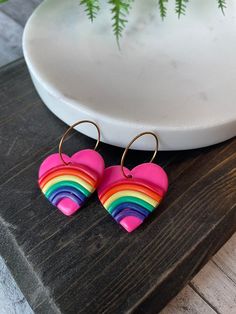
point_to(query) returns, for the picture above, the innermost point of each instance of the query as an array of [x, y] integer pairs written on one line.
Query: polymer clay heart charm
[[67, 186], [131, 200]]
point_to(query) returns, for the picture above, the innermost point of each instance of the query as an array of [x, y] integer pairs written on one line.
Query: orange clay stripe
[[89, 172], [137, 183], [78, 173], [130, 187]]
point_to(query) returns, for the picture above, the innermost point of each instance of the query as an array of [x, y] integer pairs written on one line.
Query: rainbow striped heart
[[68, 186], [130, 201]]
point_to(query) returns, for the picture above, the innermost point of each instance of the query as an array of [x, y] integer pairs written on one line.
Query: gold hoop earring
[[67, 182], [130, 196]]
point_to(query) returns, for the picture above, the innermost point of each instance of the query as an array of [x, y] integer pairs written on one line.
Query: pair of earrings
[[128, 195]]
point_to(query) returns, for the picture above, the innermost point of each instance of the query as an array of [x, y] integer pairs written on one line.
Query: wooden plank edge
[[188, 301], [188, 267], [12, 64], [23, 273]]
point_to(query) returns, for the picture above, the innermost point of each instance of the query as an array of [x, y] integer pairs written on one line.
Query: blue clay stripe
[[129, 205], [128, 212], [62, 195], [68, 189]]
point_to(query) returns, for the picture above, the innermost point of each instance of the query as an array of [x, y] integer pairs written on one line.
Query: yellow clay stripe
[[67, 178], [140, 195]]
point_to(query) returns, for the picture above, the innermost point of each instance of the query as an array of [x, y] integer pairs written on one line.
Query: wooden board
[[188, 302], [224, 288], [87, 263], [212, 290]]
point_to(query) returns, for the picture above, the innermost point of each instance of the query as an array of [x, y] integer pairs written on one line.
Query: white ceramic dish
[[176, 77]]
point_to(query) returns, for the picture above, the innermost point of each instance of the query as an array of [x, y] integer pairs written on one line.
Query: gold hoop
[[130, 143], [70, 128]]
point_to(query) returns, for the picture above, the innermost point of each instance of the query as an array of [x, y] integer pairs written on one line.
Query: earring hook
[[72, 127], [129, 145]]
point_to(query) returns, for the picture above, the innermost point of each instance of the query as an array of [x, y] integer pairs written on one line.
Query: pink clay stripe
[[130, 223]]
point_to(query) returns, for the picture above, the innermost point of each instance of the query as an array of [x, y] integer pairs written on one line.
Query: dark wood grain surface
[[87, 263]]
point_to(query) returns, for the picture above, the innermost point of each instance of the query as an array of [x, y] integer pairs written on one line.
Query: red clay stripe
[[89, 172], [132, 187], [134, 182], [57, 173]]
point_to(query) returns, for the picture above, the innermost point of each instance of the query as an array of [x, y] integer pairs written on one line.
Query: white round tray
[[176, 77]]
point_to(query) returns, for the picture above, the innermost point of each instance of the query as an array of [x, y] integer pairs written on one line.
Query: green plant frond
[[91, 8], [180, 7], [120, 10], [222, 5], [162, 8]]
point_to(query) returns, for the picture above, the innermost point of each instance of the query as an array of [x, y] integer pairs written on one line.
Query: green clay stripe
[[67, 183], [132, 199]]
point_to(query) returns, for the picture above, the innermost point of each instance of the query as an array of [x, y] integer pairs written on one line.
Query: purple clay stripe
[[128, 212], [128, 205], [62, 195], [68, 189]]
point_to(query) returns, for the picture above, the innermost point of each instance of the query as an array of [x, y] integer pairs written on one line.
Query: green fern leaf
[[222, 5], [120, 10], [180, 7], [91, 8], [162, 8]]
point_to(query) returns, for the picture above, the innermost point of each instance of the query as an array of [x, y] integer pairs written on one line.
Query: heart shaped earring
[[66, 181], [131, 195]]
